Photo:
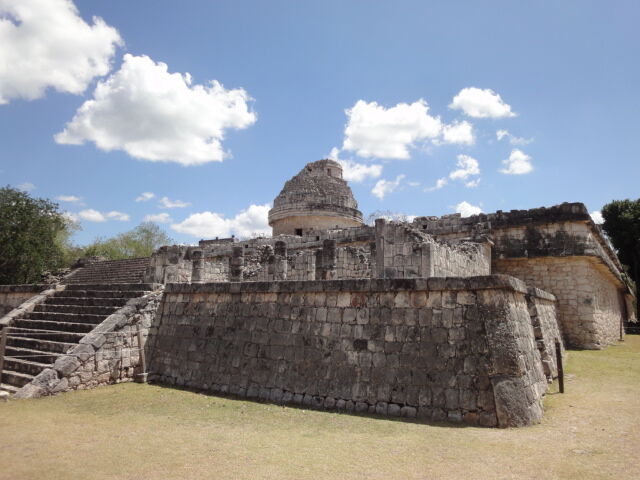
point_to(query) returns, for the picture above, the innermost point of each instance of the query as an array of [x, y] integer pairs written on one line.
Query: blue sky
[[434, 107]]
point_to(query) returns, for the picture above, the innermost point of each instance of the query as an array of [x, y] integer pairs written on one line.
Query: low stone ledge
[[488, 282], [542, 294], [25, 288], [29, 305]]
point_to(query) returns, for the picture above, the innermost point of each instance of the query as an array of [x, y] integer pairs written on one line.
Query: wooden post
[[559, 366], [142, 376], [3, 344]]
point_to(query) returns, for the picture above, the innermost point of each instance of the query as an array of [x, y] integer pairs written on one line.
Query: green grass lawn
[[133, 431]]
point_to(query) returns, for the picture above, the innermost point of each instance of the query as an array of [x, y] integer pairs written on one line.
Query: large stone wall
[[590, 305], [459, 349], [12, 296]]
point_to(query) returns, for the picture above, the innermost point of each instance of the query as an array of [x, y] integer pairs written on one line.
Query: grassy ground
[[137, 432]]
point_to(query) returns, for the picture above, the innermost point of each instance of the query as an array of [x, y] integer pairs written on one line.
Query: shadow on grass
[[229, 396]]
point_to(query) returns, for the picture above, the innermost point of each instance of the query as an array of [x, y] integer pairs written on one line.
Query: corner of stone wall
[[516, 370], [110, 353]]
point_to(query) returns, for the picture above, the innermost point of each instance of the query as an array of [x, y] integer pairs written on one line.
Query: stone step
[[100, 293], [121, 287], [40, 344], [31, 354], [79, 309], [53, 325], [53, 335], [15, 378], [8, 388], [86, 301], [20, 365], [89, 318]]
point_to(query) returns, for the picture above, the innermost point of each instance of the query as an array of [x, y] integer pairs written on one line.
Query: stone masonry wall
[[542, 310], [403, 251], [590, 308], [458, 349], [110, 353], [12, 296]]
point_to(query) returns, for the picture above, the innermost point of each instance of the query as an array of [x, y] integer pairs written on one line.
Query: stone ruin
[[441, 318]]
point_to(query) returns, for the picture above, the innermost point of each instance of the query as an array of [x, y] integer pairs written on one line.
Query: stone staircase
[[36, 339], [110, 271]]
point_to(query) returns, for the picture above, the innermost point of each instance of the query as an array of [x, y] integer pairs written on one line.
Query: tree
[[622, 225], [32, 234], [139, 242]]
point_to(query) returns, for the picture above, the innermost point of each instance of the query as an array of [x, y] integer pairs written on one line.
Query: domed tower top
[[316, 198]]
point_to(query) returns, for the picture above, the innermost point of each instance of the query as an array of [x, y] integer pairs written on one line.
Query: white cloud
[[71, 216], [472, 183], [159, 116], [467, 166], [358, 172], [165, 202], [375, 131], [248, 222], [518, 163], [466, 209], [459, 133], [68, 198], [46, 44], [597, 217], [513, 140], [384, 187], [92, 215], [158, 218], [26, 187], [119, 216], [441, 182], [145, 197], [479, 103]]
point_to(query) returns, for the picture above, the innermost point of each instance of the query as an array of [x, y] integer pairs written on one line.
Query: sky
[[193, 114]]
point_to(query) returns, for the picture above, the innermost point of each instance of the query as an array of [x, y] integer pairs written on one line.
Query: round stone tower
[[317, 198]]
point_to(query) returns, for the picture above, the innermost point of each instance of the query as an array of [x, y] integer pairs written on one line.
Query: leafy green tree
[[33, 233], [139, 242], [622, 225]]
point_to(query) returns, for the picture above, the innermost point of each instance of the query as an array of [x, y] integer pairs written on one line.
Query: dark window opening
[[329, 171], [317, 238], [299, 232]]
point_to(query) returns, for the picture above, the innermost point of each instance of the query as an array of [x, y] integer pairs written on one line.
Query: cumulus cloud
[[513, 140], [358, 172], [597, 217], [159, 116], [459, 133], [467, 167], [46, 44], [479, 103], [121, 217], [68, 198], [91, 215], [466, 209], [375, 131], [166, 202], [145, 197], [158, 218], [383, 187], [472, 183], [26, 187], [249, 222], [441, 182], [518, 163]]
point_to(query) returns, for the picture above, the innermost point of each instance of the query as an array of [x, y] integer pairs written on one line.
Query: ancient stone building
[[443, 318], [316, 198]]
